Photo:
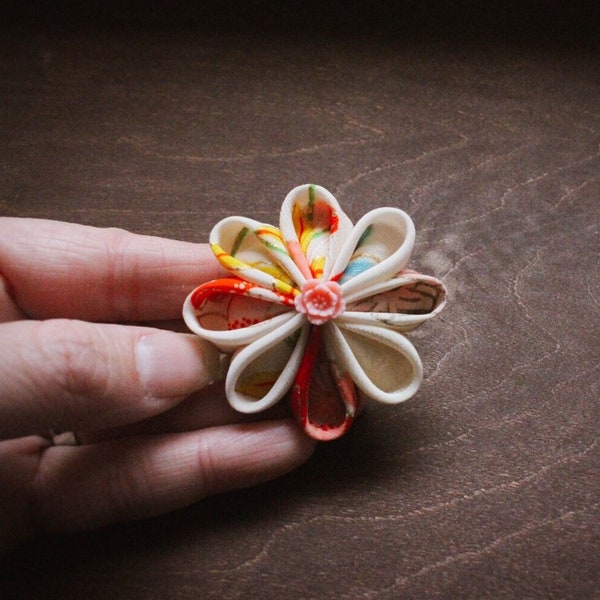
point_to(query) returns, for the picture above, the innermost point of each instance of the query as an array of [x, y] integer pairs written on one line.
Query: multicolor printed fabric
[[316, 310]]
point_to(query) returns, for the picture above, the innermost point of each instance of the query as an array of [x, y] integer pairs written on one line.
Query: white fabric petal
[[403, 302], [378, 247], [261, 373], [314, 227], [381, 362], [237, 247], [212, 323], [272, 240]]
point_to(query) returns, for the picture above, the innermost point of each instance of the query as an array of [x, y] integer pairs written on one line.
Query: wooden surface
[[486, 484]]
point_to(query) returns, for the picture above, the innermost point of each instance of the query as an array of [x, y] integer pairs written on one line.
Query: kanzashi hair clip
[[316, 310]]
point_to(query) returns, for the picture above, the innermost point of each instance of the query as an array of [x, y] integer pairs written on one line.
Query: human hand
[[80, 352]]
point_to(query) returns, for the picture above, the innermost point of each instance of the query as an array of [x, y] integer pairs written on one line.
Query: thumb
[[68, 375]]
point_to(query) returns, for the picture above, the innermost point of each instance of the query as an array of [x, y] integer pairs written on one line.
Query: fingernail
[[175, 364]]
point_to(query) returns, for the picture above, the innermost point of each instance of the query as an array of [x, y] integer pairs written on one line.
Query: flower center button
[[320, 301]]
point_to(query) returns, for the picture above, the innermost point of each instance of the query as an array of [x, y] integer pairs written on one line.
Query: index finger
[[56, 270]]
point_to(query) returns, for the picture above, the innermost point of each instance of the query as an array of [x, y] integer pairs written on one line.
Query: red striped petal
[[324, 400]]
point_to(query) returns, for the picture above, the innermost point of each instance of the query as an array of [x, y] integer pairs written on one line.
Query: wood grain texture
[[486, 484]]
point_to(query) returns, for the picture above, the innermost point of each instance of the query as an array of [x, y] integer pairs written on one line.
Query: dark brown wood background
[[487, 131]]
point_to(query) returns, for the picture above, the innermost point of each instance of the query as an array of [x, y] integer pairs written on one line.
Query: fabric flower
[[317, 308]]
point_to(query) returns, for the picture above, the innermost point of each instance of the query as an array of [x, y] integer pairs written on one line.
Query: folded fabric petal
[[403, 302], [381, 362], [378, 247], [314, 228], [237, 247], [232, 313], [261, 373], [324, 397], [272, 240]]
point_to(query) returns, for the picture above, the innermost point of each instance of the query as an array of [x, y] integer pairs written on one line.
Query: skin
[[90, 343]]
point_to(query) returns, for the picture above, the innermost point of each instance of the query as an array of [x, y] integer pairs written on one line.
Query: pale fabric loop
[[382, 362], [230, 320], [402, 303], [237, 247], [378, 247], [261, 373], [314, 228]]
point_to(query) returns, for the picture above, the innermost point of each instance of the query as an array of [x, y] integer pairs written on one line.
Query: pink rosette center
[[320, 301]]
